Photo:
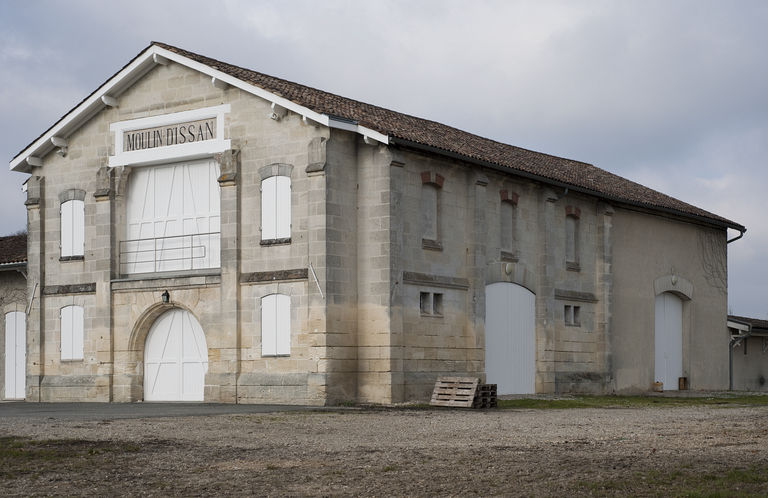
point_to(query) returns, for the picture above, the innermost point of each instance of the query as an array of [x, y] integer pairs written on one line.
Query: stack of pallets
[[485, 396], [463, 392], [454, 391]]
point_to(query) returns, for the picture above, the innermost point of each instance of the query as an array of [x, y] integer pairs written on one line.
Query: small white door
[[668, 340], [510, 338], [15, 354], [175, 358]]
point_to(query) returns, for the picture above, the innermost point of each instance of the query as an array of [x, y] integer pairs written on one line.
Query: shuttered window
[[276, 208], [72, 228], [72, 332], [508, 226], [276, 325], [571, 239], [429, 212]]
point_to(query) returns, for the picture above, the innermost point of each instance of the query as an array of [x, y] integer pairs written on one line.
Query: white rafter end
[[34, 161], [159, 59], [109, 101], [278, 112], [59, 142], [221, 85]]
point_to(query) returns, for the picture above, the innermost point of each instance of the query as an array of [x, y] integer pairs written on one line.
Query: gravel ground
[[383, 452]]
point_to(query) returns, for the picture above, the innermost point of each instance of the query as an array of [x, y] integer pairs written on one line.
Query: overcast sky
[[671, 94]]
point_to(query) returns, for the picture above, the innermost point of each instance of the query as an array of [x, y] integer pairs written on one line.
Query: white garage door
[[510, 338], [669, 340], [15, 354], [175, 358], [173, 218]]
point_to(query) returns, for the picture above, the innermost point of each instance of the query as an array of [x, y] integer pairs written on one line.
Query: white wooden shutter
[[78, 227], [73, 228], [15, 354], [77, 332], [276, 325], [66, 228], [21, 354], [276, 208], [269, 208], [66, 332], [283, 325], [283, 207], [72, 333], [268, 325]]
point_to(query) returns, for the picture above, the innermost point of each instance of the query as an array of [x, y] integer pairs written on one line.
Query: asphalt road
[[113, 411]]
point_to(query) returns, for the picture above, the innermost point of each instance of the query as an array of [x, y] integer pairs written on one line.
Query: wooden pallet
[[454, 391], [485, 397]]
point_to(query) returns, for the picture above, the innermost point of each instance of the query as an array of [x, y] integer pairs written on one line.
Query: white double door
[[15, 354], [174, 218], [175, 358], [510, 338], [668, 340]]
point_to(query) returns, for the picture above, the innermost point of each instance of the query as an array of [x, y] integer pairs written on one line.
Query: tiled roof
[[446, 138], [411, 131], [756, 323], [13, 249]]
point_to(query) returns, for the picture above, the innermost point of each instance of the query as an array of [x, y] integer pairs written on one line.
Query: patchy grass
[[20, 456], [684, 481], [632, 401]]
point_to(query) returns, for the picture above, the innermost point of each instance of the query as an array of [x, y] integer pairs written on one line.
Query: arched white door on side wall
[[668, 340], [175, 358], [15, 354], [510, 338]]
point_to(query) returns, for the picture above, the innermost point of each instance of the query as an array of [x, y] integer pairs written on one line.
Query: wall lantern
[[166, 297]]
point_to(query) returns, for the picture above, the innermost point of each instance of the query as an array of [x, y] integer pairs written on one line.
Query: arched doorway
[[510, 338], [668, 340], [175, 358], [15, 354]]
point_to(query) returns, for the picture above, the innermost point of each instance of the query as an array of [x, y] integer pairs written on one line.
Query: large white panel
[[283, 209], [283, 328], [269, 208], [510, 338], [178, 202], [175, 358], [668, 340], [269, 325], [15, 354]]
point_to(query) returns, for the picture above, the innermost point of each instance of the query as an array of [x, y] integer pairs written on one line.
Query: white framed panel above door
[[170, 137]]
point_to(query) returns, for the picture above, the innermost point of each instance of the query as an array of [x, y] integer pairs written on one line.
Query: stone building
[[749, 353], [13, 306], [200, 231]]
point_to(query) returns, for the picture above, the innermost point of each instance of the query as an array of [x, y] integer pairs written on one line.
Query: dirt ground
[[691, 451]]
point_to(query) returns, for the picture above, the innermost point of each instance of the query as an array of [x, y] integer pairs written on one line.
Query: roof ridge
[[178, 49], [468, 146]]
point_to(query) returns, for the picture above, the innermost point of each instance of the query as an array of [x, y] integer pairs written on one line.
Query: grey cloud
[[669, 93]]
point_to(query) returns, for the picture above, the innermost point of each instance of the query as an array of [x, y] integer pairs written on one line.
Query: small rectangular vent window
[[572, 315], [431, 304]]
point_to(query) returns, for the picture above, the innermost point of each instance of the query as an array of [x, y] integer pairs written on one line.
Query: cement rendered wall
[[750, 365], [13, 292], [469, 257], [648, 250]]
